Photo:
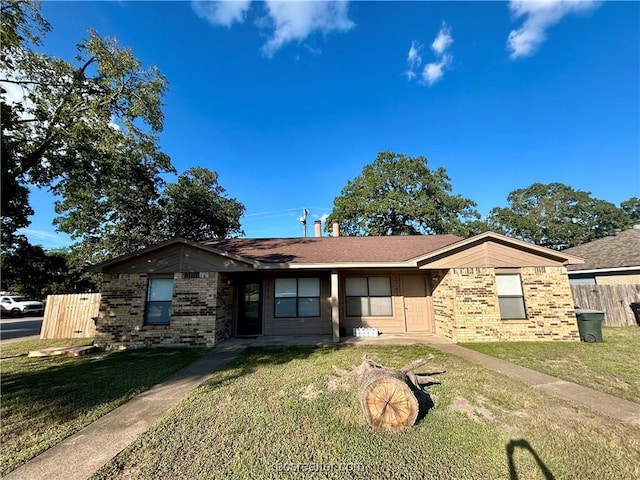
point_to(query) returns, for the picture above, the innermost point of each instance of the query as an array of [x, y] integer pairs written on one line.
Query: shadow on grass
[[252, 358], [523, 444], [57, 390]]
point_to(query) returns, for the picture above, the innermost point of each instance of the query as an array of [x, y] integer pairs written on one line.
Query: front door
[[417, 311], [249, 309]]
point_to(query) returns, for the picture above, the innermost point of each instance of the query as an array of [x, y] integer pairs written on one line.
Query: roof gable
[[491, 249], [175, 255]]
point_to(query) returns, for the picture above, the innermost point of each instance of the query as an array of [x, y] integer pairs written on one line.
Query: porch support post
[[335, 307]]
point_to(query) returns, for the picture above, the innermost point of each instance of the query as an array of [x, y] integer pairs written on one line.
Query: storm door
[[250, 309]]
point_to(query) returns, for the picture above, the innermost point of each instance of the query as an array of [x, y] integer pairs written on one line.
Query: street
[[11, 328]]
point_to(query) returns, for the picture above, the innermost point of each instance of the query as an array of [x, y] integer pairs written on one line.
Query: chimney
[[317, 225], [336, 228]]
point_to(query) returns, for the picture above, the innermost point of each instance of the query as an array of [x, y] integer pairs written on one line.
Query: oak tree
[[555, 215], [196, 208], [401, 195]]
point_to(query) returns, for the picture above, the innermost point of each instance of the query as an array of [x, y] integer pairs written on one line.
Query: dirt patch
[[339, 385], [311, 392], [478, 413]]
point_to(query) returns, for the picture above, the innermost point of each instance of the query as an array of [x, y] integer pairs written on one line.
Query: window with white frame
[[297, 297], [510, 297], [159, 295], [368, 297]]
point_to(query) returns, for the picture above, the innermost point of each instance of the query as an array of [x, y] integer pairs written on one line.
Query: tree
[[400, 195], [19, 23], [196, 208], [87, 131], [555, 215], [631, 208], [32, 271]]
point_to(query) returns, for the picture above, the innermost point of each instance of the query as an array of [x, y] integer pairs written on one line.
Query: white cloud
[[443, 40], [312, 50], [414, 59], [435, 70], [539, 17], [294, 21], [432, 71], [46, 239], [286, 21], [222, 13]]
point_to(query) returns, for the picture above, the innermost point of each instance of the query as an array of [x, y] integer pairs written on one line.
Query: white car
[[17, 306]]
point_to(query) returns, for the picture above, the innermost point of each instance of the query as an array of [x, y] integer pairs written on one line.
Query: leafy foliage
[[85, 130], [400, 195], [195, 207], [31, 271], [632, 208], [88, 132], [557, 216]]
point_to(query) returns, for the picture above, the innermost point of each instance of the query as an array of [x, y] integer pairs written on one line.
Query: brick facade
[[201, 312], [466, 306]]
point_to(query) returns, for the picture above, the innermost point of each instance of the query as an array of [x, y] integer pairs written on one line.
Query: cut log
[[387, 400], [391, 400]]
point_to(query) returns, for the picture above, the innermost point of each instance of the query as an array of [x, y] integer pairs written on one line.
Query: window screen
[[510, 297]]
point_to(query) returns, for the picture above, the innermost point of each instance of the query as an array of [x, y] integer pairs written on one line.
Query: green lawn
[[44, 400], [611, 366], [280, 413]]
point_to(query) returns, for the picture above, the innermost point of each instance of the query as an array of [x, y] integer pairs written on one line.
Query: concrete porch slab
[[327, 341]]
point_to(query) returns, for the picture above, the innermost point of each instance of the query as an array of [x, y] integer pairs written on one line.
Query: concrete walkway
[[82, 454], [617, 408]]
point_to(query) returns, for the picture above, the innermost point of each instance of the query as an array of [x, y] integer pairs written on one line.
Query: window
[[582, 281], [510, 296], [368, 297], [159, 294], [297, 297]]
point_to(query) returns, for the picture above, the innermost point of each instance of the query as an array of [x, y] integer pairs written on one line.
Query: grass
[[8, 350], [610, 366], [279, 413], [44, 400]]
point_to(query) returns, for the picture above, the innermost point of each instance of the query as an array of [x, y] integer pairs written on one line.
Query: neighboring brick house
[[484, 288]]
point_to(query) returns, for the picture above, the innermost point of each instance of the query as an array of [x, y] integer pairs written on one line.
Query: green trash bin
[[590, 325]]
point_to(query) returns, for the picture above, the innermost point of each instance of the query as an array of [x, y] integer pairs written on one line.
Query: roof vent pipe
[[317, 225], [336, 228]]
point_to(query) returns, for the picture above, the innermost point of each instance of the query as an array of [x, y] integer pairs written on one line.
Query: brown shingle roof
[[621, 250], [389, 249]]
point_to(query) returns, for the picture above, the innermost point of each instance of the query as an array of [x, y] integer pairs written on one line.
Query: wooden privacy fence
[[613, 300], [70, 316]]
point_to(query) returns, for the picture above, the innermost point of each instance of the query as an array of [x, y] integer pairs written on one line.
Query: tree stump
[[391, 399]]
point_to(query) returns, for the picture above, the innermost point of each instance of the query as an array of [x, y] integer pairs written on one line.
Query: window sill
[[297, 318]]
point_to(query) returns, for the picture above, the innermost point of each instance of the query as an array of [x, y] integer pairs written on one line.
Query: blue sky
[[288, 101]]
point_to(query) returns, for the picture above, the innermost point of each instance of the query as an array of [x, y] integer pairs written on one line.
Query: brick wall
[[466, 306], [200, 312], [443, 298], [224, 309]]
